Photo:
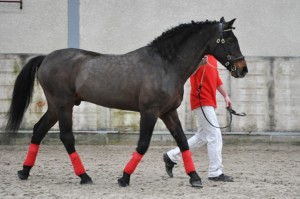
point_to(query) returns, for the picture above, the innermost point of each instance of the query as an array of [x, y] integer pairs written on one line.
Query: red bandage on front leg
[[132, 164], [77, 164], [188, 161], [31, 155]]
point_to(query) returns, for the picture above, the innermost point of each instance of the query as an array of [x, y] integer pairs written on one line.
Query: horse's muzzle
[[241, 69]]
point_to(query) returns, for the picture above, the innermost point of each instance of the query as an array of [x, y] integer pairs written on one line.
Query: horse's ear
[[222, 20], [230, 23]]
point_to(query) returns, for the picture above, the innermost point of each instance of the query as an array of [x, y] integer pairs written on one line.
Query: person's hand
[[204, 60], [227, 101]]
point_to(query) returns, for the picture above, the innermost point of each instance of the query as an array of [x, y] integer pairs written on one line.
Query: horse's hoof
[[23, 175], [196, 183], [85, 179], [124, 181], [195, 180]]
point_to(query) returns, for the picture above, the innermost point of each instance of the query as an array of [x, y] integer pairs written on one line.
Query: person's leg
[[214, 140]]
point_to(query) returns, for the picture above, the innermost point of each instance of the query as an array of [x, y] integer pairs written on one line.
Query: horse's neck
[[190, 56]]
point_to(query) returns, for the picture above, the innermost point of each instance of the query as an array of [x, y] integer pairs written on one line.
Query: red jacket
[[211, 81]]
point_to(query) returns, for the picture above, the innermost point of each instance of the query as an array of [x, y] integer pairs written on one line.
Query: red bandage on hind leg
[[77, 164], [188, 161], [31, 155], [132, 164]]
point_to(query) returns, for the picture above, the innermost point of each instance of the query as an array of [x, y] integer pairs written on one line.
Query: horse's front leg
[[147, 123], [172, 122]]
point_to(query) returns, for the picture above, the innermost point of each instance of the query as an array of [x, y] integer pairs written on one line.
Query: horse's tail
[[22, 93]]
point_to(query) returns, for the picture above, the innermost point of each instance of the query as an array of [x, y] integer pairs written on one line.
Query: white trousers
[[206, 134]]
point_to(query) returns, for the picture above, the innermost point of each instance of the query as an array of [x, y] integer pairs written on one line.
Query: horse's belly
[[109, 97]]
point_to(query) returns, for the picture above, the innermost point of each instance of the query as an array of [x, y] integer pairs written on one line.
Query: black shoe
[[222, 178], [169, 164]]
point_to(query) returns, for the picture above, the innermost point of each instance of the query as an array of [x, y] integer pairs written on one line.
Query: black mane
[[168, 42]]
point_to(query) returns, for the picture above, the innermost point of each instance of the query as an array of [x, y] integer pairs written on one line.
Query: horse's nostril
[[245, 70]]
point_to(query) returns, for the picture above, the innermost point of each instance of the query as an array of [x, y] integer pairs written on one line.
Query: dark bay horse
[[149, 80]]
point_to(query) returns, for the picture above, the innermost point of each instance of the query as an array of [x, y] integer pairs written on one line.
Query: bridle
[[221, 41]]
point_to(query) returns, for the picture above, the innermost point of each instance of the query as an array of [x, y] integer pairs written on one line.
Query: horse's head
[[225, 48]]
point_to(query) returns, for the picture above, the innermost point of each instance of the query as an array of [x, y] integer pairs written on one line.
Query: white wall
[[40, 27], [264, 28]]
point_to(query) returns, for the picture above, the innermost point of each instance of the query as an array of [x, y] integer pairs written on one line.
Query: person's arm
[[225, 95]]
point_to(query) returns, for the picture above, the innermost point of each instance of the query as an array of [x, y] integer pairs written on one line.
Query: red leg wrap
[[188, 161], [31, 155], [132, 164], [77, 164]]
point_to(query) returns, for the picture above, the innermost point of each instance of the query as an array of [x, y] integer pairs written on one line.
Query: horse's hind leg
[[147, 123], [172, 122], [39, 131], [67, 137]]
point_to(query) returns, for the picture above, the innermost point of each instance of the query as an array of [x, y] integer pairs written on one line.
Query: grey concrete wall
[[269, 94]]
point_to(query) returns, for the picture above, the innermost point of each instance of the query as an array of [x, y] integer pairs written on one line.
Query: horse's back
[[65, 59]]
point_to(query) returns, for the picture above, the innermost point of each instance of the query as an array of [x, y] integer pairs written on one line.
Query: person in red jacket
[[208, 75]]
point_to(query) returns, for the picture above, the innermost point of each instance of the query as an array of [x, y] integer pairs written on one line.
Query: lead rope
[[229, 109]]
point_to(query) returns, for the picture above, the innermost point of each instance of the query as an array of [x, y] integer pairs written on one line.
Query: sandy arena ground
[[260, 171]]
